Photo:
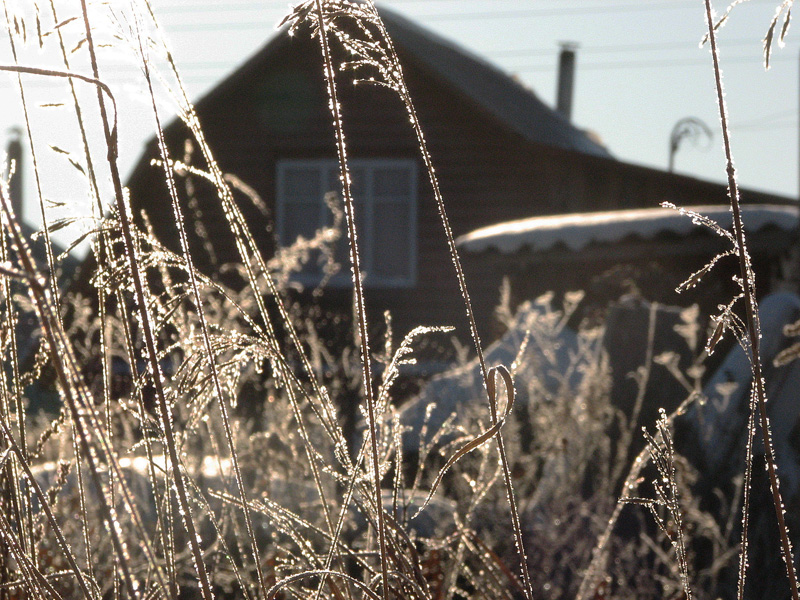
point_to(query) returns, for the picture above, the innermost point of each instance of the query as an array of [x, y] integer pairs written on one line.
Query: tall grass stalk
[[66, 365], [198, 301], [226, 507], [380, 56], [147, 329], [358, 287], [753, 327], [76, 399], [249, 254], [102, 250]]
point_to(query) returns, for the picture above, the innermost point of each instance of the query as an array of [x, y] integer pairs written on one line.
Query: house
[[66, 266], [500, 154], [646, 252]]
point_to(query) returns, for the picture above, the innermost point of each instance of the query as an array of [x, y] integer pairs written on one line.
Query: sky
[[640, 70]]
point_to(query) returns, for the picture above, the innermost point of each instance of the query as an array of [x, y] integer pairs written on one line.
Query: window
[[385, 196]]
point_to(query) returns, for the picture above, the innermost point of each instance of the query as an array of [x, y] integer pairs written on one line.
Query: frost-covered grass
[[199, 450]]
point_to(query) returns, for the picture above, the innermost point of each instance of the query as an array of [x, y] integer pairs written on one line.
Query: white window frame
[[366, 230]]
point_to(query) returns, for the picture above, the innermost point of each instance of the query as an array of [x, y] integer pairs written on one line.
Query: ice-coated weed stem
[[36, 175], [488, 383], [204, 329], [147, 329], [66, 372], [251, 259], [751, 311], [358, 289]]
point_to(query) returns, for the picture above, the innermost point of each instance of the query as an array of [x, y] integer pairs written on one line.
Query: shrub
[[159, 478]]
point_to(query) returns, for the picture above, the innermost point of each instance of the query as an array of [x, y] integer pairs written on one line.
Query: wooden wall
[[487, 173]]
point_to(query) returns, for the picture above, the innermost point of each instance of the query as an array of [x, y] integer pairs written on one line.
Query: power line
[[612, 48], [649, 64], [185, 27], [210, 66], [537, 1], [538, 11], [768, 118], [788, 125], [601, 7], [553, 12], [511, 52], [621, 64], [253, 24]]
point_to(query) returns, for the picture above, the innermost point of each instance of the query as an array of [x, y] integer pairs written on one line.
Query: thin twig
[[751, 311], [147, 330], [358, 289], [198, 301]]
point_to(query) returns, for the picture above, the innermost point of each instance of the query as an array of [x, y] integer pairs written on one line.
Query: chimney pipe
[[566, 79], [14, 155]]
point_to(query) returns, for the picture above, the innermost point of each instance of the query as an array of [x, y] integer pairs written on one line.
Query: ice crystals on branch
[[666, 487], [726, 319], [783, 11], [360, 32]]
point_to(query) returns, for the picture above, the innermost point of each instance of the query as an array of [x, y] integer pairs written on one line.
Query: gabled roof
[[490, 88], [473, 78]]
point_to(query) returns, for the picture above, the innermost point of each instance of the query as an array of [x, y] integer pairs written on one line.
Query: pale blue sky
[[639, 70]]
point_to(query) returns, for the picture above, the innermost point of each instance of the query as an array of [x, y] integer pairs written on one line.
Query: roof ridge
[[490, 87], [494, 91]]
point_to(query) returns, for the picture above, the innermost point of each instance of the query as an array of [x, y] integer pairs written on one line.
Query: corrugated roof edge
[[577, 231]]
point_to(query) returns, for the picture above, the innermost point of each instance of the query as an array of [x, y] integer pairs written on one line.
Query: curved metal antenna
[[690, 128]]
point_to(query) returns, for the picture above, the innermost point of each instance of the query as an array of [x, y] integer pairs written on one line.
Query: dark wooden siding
[[487, 173]]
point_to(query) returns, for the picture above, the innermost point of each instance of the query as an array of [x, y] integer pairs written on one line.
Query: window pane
[[384, 195], [300, 219], [342, 251], [363, 237], [301, 184], [392, 241], [358, 176], [392, 182], [333, 179]]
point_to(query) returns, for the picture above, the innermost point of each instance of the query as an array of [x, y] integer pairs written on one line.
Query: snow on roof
[[578, 230]]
